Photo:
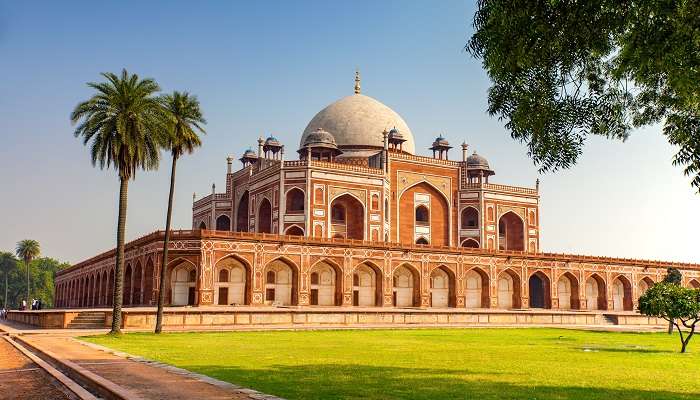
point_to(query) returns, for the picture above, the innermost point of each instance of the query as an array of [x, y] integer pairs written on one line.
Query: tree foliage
[[563, 70], [125, 123], [42, 273], [675, 304], [673, 275]]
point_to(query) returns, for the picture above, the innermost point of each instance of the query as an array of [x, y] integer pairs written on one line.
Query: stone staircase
[[88, 320], [609, 319]]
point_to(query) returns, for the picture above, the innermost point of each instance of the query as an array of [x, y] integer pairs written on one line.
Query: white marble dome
[[357, 122]]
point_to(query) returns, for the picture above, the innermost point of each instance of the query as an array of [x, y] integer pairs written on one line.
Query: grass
[[432, 363]]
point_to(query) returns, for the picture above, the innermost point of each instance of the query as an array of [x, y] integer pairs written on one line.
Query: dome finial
[[357, 81]]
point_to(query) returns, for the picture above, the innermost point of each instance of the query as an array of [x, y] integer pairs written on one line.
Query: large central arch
[[347, 217], [439, 218]]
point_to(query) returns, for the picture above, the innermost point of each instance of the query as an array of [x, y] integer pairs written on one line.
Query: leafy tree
[[123, 122], [42, 272], [27, 250], [674, 276], [8, 263], [564, 70], [186, 119], [673, 303]]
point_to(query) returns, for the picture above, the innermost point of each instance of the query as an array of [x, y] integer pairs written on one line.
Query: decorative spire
[[357, 81]]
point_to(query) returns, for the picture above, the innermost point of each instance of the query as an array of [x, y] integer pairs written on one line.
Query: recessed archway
[[568, 292], [281, 277], [694, 283], [439, 220], [539, 290], [202, 225], [232, 286], [470, 243], [645, 284], [406, 291], [470, 218], [242, 213], [367, 284], [325, 283], [223, 223], [137, 281], [595, 293], [622, 294], [511, 232], [183, 282], [508, 286], [295, 201], [347, 217], [264, 220], [148, 277], [442, 287], [477, 288], [128, 285], [294, 230]]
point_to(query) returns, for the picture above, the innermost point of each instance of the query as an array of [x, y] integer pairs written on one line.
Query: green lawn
[[433, 363]]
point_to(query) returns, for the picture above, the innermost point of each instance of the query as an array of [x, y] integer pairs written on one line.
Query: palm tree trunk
[[164, 264], [26, 262], [119, 268]]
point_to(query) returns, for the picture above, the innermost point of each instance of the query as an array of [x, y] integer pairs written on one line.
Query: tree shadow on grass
[[331, 381]]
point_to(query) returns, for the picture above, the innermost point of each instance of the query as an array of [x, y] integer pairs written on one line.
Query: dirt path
[[21, 379]]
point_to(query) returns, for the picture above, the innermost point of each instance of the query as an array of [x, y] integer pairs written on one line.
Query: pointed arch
[[508, 286], [326, 287], [242, 211], [469, 218], [182, 285], [596, 289], [263, 220], [568, 292], [294, 230], [470, 243], [236, 288], [136, 285], [347, 216], [644, 284], [223, 223], [477, 288], [367, 284], [511, 232], [540, 293], [295, 201], [442, 287], [694, 283], [406, 286], [422, 240], [128, 284], [202, 225], [622, 293], [283, 288], [148, 277], [439, 224]]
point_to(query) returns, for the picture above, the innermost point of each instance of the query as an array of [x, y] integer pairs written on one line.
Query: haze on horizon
[[264, 68]]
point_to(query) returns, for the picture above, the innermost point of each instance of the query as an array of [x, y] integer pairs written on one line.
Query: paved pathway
[[141, 378]]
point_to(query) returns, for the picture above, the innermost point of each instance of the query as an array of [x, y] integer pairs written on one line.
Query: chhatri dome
[[357, 123]]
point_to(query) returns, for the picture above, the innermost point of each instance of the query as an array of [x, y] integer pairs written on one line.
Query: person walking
[[24, 305]]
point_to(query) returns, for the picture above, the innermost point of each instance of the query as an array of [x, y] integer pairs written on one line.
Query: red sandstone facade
[[358, 220]]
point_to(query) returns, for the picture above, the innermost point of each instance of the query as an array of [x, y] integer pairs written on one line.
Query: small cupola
[[272, 148], [248, 158], [440, 148], [478, 169], [319, 145], [396, 139]]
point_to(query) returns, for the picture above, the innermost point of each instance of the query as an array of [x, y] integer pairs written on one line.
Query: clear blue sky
[[266, 68]]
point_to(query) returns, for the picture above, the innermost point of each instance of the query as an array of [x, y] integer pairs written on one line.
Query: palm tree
[[27, 250], [123, 122], [7, 263], [185, 121]]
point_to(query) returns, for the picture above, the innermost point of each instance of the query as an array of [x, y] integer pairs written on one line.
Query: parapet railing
[[405, 247], [413, 157], [498, 187]]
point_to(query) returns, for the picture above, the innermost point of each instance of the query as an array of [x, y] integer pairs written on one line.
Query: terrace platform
[[230, 317]]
